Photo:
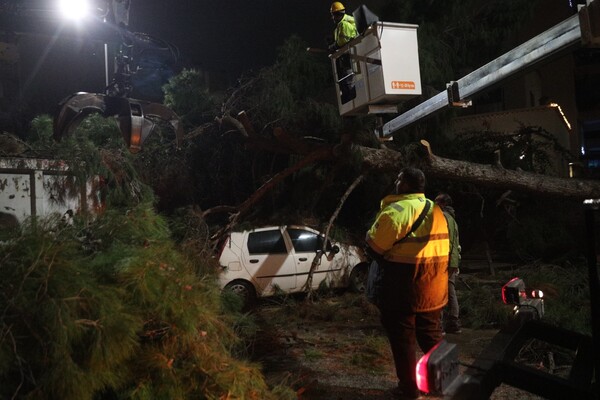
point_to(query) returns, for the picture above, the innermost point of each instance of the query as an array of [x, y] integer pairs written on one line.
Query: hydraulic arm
[[138, 51], [580, 29]]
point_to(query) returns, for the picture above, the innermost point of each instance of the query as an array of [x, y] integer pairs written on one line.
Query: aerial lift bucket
[[384, 67]]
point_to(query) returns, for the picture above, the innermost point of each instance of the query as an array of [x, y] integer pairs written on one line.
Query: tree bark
[[420, 155], [485, 175], [317, 259]]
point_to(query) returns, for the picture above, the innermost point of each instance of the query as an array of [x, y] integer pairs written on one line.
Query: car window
[[266, 242], [306, 241]]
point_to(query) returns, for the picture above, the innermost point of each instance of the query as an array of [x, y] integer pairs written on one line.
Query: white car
[[277, 259]]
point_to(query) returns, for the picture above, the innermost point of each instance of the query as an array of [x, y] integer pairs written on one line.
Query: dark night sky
[[233, 35], [222, 36]]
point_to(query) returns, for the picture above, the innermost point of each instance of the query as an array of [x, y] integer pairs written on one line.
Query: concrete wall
[[38, 187]]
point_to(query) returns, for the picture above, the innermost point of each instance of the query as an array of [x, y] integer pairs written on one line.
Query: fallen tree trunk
[[485, 175], [419, 155]]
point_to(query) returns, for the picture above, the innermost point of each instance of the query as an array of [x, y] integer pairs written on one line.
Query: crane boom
[[582, 27]]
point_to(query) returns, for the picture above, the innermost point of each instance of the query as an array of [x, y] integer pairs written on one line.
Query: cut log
[[485, 175]]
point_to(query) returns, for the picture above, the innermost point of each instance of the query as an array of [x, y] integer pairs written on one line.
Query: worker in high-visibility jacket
[[345, 31], [345, 26], [409, 241]]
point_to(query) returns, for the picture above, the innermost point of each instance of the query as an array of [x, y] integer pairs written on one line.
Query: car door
[[269, 262], [306, 244]]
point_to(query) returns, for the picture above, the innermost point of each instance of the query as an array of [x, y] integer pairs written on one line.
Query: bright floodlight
[[75, 9]]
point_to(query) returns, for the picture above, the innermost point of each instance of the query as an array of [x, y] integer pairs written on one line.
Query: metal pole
[[105, 65], [105, 61], [592, 206]]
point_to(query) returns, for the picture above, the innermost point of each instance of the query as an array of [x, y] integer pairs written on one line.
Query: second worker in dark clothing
[[451, 320]]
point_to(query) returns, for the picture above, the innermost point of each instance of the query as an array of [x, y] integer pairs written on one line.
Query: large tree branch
[[320, 154], [485, 175], [317, 258]]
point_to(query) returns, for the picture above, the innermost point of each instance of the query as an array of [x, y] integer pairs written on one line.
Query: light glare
[[74, 9]]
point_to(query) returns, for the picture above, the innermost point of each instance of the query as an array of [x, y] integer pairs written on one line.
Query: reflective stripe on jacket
[[345, 31], [424, 251], [395, 219]]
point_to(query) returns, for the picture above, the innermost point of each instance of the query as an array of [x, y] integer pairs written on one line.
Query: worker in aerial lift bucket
[[345, 31]]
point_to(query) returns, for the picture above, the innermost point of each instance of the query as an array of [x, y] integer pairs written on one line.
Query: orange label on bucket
[[403, 85]]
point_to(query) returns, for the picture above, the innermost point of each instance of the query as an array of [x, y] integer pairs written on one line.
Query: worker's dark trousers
[[450, 317], [405, 328], [346, 76]]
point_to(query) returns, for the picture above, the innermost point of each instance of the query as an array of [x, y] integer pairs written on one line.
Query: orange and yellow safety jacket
[[395, 219], [427, 247]]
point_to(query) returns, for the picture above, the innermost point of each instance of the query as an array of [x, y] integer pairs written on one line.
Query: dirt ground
[[334, 348]]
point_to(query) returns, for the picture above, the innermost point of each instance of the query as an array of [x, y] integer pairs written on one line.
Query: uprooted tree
[[296, 131], [376, 160], [420, 155]]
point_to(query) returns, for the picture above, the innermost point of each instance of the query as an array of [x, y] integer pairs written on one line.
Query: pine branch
[[317, 259]]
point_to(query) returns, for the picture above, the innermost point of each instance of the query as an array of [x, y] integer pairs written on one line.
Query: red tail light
[[422, 375], [513, 291], [437, 369]]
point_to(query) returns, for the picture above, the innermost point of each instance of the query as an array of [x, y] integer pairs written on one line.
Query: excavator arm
[[108, 23]]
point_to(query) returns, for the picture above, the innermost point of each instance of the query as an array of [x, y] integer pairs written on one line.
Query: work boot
[[453, 328]]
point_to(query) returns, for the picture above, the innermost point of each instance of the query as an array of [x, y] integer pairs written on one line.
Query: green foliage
[[96, 148], [187, 94], [312, 354], [63, 334], [111, 307], [373, 353], [481, 306], [566, 293], [93, 131], [112, 304], [297, 92], [41, 131], [565, 288]]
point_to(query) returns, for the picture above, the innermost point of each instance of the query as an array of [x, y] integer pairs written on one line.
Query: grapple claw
[[132, 116]]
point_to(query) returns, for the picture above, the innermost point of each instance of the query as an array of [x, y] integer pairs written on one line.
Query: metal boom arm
[[555, 40]]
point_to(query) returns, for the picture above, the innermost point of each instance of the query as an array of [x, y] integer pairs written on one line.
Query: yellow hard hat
[[336, 6]]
